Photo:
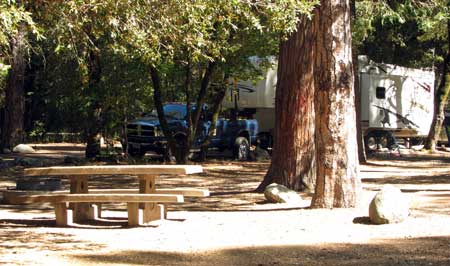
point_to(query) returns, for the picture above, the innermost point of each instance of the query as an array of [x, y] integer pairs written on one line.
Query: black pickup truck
[[145, 134]]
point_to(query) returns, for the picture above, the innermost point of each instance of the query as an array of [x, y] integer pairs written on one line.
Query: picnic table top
[[115, 169]]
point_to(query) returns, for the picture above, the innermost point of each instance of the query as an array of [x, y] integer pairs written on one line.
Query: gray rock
[[32, 162], [259, 154], [74, 160], [22, 148], [388, 206], [6, 151], [280, 194]]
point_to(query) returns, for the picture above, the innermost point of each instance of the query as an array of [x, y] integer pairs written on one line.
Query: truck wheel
[[265, 141], [241, 149], [199, 156], [167, 155]]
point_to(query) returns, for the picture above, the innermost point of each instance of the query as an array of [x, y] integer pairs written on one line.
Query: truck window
[[380, 93]]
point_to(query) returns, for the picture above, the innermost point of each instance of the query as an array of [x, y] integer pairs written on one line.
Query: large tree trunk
[[293, 156], [359, 133], [12, 129], [95, 123], [440, 99], [337, 156]]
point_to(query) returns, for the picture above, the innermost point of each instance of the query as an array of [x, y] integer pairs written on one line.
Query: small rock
[[389, 206], [22, 148], [280, 194], [417, 147], [259, 154], [74, 160], [6, 151], [32, 162]]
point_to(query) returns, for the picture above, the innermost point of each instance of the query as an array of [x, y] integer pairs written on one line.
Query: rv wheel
[[417, 141], [371, 142], [380, 139]]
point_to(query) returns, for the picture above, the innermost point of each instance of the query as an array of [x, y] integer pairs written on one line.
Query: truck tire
[[265, 141], [167, 155], [241, 149]]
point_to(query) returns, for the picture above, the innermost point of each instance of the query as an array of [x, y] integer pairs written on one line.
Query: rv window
[[381, 93]]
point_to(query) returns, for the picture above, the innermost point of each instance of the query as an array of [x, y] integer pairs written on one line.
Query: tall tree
[[440, 100], [337, 184], [12, 130], [178, 33], [15, 26], [85, 28], [318, 134], [437, 26], [294, 155]]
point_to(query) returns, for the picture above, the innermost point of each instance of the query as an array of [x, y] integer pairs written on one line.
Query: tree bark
[[293, 156], [12, 129], [157, 99], [218, 98], [440, 99], [95, 123], [337, 182], [359, 133]]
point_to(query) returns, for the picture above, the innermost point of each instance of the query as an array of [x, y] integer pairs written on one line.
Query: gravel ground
[[237, 227]]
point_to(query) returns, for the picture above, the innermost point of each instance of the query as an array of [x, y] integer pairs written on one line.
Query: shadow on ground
[[416, 251], [430, 179]]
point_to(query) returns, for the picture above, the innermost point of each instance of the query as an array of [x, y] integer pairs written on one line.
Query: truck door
[[217, 133]]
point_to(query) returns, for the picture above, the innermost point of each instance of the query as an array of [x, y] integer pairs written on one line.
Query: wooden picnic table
[[146, 174]]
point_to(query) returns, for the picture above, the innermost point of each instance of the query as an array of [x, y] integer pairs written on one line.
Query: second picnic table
[[146, 174]]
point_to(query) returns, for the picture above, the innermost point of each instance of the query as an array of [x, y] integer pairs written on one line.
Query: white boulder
[[388, 206], [280, 194], [22, 148]]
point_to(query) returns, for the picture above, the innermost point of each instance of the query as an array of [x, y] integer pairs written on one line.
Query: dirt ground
[[235, 226]]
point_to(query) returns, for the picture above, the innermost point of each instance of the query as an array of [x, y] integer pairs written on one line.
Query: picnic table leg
[[151, 211], [135, 215], [81, 211], [63, 215]]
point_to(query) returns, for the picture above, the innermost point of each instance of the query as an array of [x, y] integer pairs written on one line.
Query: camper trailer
[[396, 103]]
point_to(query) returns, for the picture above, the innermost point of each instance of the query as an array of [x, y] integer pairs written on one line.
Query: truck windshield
[[174, 111]]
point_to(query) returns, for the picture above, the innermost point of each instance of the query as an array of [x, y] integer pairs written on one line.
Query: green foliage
[[125, 90], [60, 102], [128, 37], [37, 131], [56, 97], [433, 21], [408, 32], [13, 16], [3, 72], [203, 29]]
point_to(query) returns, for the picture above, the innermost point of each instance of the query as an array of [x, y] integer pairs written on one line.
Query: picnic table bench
[[144, 204]]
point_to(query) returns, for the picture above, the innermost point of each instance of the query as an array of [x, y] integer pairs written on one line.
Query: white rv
[[395, 101]]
